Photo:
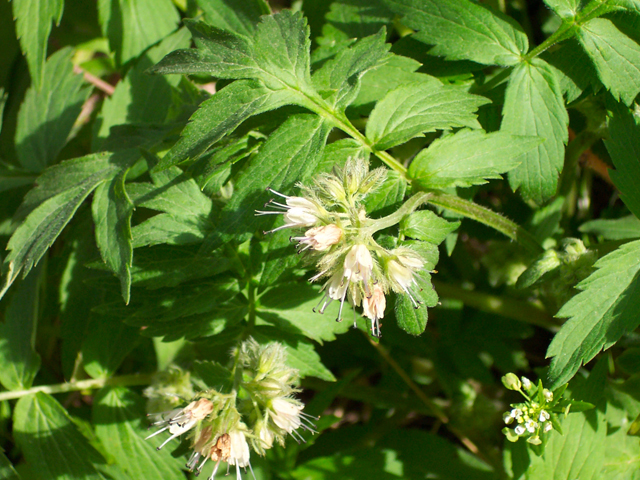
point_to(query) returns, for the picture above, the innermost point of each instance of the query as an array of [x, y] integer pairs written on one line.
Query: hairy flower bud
[[319, 239], [373, 307]]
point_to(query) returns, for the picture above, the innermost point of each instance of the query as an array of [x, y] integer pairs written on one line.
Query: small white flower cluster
[[339, 233], [217, 422], [534, 417]]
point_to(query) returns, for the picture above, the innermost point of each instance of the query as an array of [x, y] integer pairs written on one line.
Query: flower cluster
[[259, 410], [339, 235]]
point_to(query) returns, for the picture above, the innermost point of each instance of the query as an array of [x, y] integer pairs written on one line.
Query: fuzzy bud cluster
[[339, 237], [259, 410]]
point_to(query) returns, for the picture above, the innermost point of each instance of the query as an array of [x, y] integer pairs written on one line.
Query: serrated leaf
[[33, 25], [167, 229], [623, 145], [391, 192], [291, 308], [220, 115], [132, 26], [233, 16], [301, 354], [469, 157], [413, 109], [573, 69], [604, 310], [534, 104], [464, 30], [290, 155], [112, 210], [49, 112], [564, 8], [213, 375], [427, 226], [48, 208], [355, 19], [338, 79], [51, 442], [118, 415], [624, 228], [18, 357], [411, 313], [615, 56]]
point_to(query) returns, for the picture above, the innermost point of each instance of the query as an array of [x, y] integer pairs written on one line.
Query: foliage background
[[132, 245]]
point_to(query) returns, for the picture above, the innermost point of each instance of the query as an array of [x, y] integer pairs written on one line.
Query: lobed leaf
[[564, 8], [464, 30], [468, 158], [615, 56], [237, 17], [604, 310], [413, 109], [33, 25], [534, 104]]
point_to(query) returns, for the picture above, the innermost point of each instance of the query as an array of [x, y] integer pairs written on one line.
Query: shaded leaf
[[237, 17], [619, 229], [48, 113], [6, 469], [411, 308], [106, 344], [534, 104], [564, 8]]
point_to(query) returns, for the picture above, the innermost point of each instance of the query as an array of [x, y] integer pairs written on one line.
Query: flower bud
[[511, 381]]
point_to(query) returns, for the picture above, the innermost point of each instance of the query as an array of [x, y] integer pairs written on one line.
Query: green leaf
[[615, 56], [300, 352], [211, 373], [49, 112], [427, 226], [33, 25], [11, 178], [412, 314], [599, 315], [18, 357], [237, 17], [573, 69], [220, 115], [50, 206], [355, 19], [6, 469], [118, 415], [338, 79], [132, 26], [112, 210], [469, 157], [51, 442], [290, 308], [290, 155], [167, 229], [106, 343], [624, 228], [141, 98], [464, 30], [413, 109], [623, 145], [564, 8], [534, 104], [390, 193]]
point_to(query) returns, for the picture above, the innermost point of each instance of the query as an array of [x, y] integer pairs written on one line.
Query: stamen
[[344, 295], [277, 193], [215, 469], [156, 433], [166, 441]]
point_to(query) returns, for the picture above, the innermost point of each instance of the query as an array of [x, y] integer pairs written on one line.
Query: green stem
[[90, 384], [507, 307], [487, 217], [395, 217]]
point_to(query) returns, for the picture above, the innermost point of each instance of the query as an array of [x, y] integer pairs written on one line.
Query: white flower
[[516, 413], [358, 265], [548, 427], [287, 414], [526, 383], [239, 449], [297, 211], [181, 420], [319, 238], [373, 307], [401, 271], [531, 426], [548, 395], [506, 416], [519, 430], [544, 416]]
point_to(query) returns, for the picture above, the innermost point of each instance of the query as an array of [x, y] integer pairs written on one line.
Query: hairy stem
[[487, 217], [90, 384]]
